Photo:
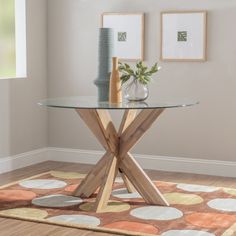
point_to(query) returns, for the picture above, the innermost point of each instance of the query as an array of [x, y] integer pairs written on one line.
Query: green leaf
[[142, 73]]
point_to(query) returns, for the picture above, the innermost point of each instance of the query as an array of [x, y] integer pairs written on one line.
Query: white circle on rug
[[58, 200], [123, 193], [76, 219], [223, 204], [186, 233], [119, 180], [197, 188], [156, 213], [43, 184]]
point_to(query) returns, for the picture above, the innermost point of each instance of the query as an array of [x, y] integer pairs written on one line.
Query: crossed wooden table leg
[[117, 157]]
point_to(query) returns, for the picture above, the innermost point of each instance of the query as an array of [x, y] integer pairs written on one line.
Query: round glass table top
[[92, 103]]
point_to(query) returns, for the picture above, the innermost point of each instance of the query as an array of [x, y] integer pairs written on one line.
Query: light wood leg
[[129, 186], [128, 118], [106, 186], [141, 181], [94, 178], [100, 123], [137, 128], [117, 156]]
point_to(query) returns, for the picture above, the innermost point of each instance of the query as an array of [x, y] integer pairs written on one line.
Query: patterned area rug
[[195, 210]]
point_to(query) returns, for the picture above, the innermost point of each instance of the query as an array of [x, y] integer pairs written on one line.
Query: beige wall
[[23, 124], [205, 131]]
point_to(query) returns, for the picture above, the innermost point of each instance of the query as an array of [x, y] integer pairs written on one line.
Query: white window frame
[[20, 40]]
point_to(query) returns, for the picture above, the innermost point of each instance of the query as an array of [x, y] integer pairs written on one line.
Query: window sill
[[6, 78]]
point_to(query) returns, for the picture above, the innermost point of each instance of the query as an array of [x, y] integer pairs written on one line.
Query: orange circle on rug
[[16, 195], [133, 226], [163, 184], [211, 220], [71, 188]]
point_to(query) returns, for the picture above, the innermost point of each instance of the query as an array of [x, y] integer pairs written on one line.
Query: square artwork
[[183, 36], [129, 34]]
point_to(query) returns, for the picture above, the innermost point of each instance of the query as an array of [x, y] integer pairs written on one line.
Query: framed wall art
[[129, 34], [184, 36]]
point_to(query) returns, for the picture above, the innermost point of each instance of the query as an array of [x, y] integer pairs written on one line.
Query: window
[[12, 39]]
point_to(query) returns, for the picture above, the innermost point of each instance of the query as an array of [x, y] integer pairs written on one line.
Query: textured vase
[[105, 54]]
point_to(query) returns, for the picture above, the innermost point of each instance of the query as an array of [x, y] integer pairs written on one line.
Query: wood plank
[[94, 178], [90, 118], [137, 128], [129, 186], [106, 187], [108, 129], [141, 181], [128, 118], [100, 123]]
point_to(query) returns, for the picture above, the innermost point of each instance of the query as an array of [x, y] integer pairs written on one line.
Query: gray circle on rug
[[223, 204], [197, 188], [76, 219], [156, 213], [123, 193], [58, 200], [186, 233], [43, 184]]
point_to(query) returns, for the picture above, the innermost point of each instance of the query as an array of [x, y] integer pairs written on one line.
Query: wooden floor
[[10, 227]]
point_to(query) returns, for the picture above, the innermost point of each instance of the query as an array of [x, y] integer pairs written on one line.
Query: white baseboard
[[164, 163], [11, 163]]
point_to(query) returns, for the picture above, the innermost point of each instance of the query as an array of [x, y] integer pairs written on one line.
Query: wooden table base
[[117, 156]]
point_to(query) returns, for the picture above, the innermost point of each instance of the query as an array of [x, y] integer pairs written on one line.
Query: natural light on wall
[[12, 39]]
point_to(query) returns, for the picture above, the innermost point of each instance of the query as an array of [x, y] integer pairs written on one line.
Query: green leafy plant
[[141, 72]]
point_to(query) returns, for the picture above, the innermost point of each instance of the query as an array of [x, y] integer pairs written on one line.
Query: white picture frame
[[184, 36], [128, 34]]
